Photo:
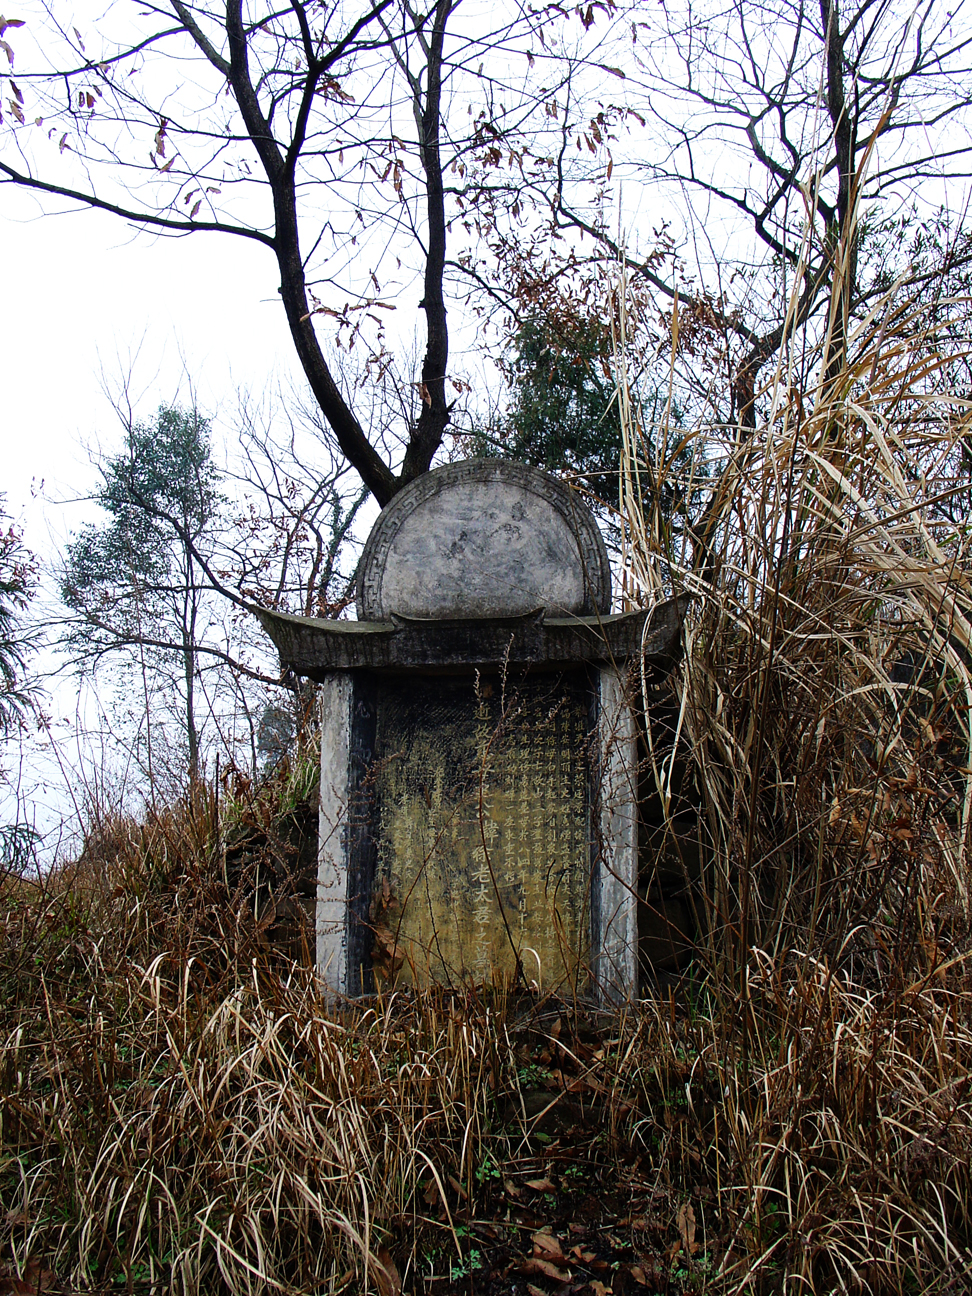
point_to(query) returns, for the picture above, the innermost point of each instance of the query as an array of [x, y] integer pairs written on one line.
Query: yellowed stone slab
[[484, 844]]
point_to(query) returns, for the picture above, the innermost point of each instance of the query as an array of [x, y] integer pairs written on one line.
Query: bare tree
[[324, 134], [812, 118], [786, 148], [296, 516], [160, 590]]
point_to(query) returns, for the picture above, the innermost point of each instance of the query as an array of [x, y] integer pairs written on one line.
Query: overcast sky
[[86, 300]]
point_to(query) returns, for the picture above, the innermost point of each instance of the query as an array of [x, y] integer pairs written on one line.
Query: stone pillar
[[615, 898], [336, 700]]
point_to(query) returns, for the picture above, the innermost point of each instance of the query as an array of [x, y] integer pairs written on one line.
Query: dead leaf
[[546, 1246], [35, 1279], [576, 1084], [686, 1227], [599, 1289], [535, 1291], [545, 1267], [582, 1256], [510, 1187], [457, 1186], [386, 957], [540, 1185], [385, 1273], [638, 1274]]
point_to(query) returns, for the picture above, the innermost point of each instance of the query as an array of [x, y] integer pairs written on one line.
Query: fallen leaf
[[35, 1279], [545, 1267], [535, 1291], [585, 1257], [386, 956], [457, 1186], [686, 1227], [540, 1185], [385, 1273], [599, 1289], [510, 1187], [547, 1247], [638, 1274], [571, 1084]]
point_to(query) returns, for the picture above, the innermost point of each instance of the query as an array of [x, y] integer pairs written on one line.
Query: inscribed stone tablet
[[484, 840], [484, 538]]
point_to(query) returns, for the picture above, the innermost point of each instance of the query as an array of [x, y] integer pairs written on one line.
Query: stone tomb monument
[[478, 815]]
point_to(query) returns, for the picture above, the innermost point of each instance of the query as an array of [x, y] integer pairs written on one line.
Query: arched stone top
[[484, 538]]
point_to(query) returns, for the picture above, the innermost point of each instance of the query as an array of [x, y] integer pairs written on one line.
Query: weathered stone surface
[[484, 538], [483, 866]]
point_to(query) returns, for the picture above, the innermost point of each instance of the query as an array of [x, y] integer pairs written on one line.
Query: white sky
[[86, 300]]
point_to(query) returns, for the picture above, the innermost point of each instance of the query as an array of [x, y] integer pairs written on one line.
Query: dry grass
[[181, 1114], [177, 1113]]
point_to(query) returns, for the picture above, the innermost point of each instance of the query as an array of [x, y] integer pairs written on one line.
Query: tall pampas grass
[[822, 718]]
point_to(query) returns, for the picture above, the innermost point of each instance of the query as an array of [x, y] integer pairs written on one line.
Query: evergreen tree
[[17, 585], [135, 583], [563, 414]]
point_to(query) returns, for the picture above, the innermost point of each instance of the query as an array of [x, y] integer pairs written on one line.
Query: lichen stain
[[484, 844]]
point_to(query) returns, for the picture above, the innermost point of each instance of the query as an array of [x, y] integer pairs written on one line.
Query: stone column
[[616, 845], [336, 700]]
